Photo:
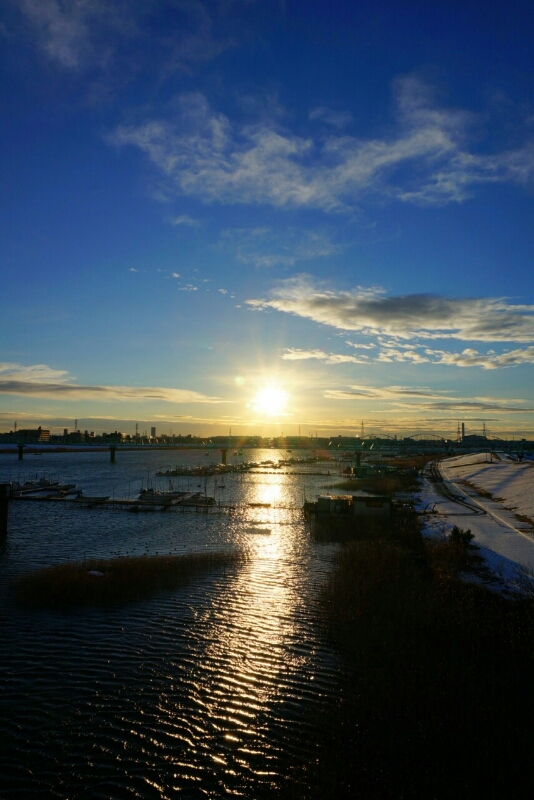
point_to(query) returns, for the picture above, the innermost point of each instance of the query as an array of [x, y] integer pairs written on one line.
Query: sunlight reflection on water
[[205, 690]]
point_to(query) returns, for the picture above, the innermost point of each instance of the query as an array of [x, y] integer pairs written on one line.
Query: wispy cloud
[[424, 316], [195, 37], [361, 345], [186, 220], [414, 353], [425, 161], [63, 28], [294, 354], [472, 358], [265, 247], [425, 400], [34, 373], [78, 34], [41, 381], [339, 119], [356, 391]]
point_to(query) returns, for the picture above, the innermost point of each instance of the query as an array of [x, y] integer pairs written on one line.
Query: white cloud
[[80, 33], [83, 33], [188, 288], [490, 360], [423, 399], [39, 380], [184, 219], [414, 316], [384, 393], [425, 161], [294, 354], [394, 354], [361, 346], [339, 119], [62, 28], [35, 373]]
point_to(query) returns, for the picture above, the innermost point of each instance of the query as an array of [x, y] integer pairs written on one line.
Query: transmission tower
[[458, 432], [362, 431]]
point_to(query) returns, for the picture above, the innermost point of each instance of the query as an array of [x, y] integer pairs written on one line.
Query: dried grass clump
[[109, 582], [439, 667]]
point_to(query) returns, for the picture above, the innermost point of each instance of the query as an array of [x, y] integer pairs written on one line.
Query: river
[[206, 691]]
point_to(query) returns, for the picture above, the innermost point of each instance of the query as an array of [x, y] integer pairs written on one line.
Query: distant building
[[32, 436], [152, 433]]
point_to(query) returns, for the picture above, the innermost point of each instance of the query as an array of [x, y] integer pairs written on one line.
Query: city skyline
[[267, 216]]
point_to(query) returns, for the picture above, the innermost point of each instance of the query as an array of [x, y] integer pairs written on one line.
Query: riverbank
[[437, 704]]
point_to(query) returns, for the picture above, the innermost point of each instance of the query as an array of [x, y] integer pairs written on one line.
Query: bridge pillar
[[21, 448], [223, 455], [4, 507], [112, 451]]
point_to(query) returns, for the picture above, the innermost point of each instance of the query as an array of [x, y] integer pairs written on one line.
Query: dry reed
[[107, 582]]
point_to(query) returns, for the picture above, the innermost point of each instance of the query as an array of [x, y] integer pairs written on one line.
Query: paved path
[[505, 542]]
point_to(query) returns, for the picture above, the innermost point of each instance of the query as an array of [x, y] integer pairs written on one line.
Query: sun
[[270, 401]]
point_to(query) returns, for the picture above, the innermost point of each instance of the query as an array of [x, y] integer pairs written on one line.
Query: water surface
[[205, 691]]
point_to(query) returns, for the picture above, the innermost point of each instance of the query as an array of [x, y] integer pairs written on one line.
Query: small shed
[[377, 505], [334, 504]]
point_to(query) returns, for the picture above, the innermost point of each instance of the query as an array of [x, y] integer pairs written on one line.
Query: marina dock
[[196, 503]]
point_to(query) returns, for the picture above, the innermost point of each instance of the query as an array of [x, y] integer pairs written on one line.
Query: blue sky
[[267, 216]]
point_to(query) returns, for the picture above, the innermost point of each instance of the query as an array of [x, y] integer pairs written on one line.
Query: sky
[[267, 217]]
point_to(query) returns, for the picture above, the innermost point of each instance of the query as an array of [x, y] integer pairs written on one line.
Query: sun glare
[[270, 401]]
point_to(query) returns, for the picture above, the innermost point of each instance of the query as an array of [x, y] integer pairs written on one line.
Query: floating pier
[[138, 506]]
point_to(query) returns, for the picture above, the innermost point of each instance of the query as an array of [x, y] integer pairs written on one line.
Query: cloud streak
[[425, 400], [41, 381], [472, 358], [425, 161], [413, 316], [34, 373], [295, 354]]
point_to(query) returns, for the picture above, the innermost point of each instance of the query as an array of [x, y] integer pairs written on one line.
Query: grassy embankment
[[118, 580], [438, 704]]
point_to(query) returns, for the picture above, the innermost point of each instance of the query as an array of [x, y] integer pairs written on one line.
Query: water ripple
[[203, 691]]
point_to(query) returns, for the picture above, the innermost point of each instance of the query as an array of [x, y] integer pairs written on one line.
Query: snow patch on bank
[[505, 541]]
